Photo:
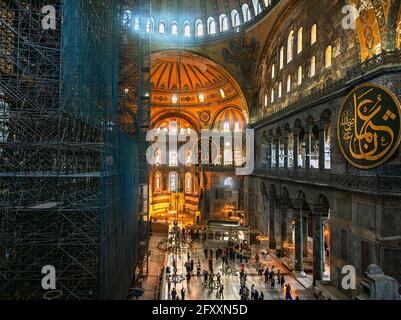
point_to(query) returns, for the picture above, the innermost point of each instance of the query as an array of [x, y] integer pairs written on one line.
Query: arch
[[137, 23], [229, 182], [328, 57], [174, 28], [235, 19], [313, 67], [188, 182], [300, 40], [300, 75], [187, 30], [281, 58], [313, 34], [289, 83], [290, 44], [237, 114], [199, 28], [211, 25], [162, 27], [223, 22], [246, 12], [149, 25], [173, 181], [256, 7], [158, 186]]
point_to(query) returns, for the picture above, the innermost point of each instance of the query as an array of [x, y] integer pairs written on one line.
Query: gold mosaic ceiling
[[181, 78]]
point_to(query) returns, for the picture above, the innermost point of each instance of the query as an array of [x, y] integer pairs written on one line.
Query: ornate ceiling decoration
[[184, 79]]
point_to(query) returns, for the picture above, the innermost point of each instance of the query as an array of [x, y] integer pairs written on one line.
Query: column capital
[[317, 210], [296, 131], [298, 203]]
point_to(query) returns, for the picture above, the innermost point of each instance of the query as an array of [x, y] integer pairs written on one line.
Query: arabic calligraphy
[[369, 126]]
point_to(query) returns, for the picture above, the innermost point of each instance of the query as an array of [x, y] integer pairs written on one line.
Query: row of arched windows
[[172, 182], [279, 152], [212, 26], [273, 94]]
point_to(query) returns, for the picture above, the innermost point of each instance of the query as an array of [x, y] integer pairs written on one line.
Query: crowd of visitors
[[229, 255]]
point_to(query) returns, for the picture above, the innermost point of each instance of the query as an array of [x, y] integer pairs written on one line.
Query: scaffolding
[[135, 107], [67, 165]]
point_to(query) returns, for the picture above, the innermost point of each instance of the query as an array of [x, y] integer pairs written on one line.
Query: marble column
[[318, 244], [286, 220], [272, 222], [299, 259], [305, 235], [269, 153], [307, 147], [277, 155], [295, 147], [321, 145], [286, 151]]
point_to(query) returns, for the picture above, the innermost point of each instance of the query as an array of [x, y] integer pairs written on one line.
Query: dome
[[199, 20], [185, 79]]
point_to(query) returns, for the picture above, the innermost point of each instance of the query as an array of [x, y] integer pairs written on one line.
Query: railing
[[377, 184]]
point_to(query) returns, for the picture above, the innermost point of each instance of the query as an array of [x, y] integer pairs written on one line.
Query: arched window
[[290, 43], [299, 75], [173, 159], [173, 182], [256, 7], [272, 96], [174, 29], [281, 58], [229, 182], [188, 183], [187, 30], [246, 12], [136, 23], [158, 182], [157, 157], [174, 99], [273, 71], [149, 25], [201, 97], [289, 83], [266, 100], [223, 23], [290, 162], [228, 154], [313, 34], [211, 26], [162, 27], [226, 126], [199, 28], [268, 3], [299, 40], [327, 147], [280, 89], [188, 158], [313, 66], [328, 57], [235, 18]]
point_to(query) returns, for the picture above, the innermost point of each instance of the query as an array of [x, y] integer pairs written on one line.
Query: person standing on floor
[[282, 281], [183, 291], [173, 294], [266, 274], [288, 292]]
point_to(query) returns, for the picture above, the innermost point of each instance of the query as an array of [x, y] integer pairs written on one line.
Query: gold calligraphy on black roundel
[[369, 125]]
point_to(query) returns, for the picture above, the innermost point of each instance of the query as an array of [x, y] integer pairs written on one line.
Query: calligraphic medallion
[[369, 126]]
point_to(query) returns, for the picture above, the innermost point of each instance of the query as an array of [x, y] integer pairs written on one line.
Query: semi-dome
[[199, 20]]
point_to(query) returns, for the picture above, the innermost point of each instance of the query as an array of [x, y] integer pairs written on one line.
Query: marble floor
[[196, 291]]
